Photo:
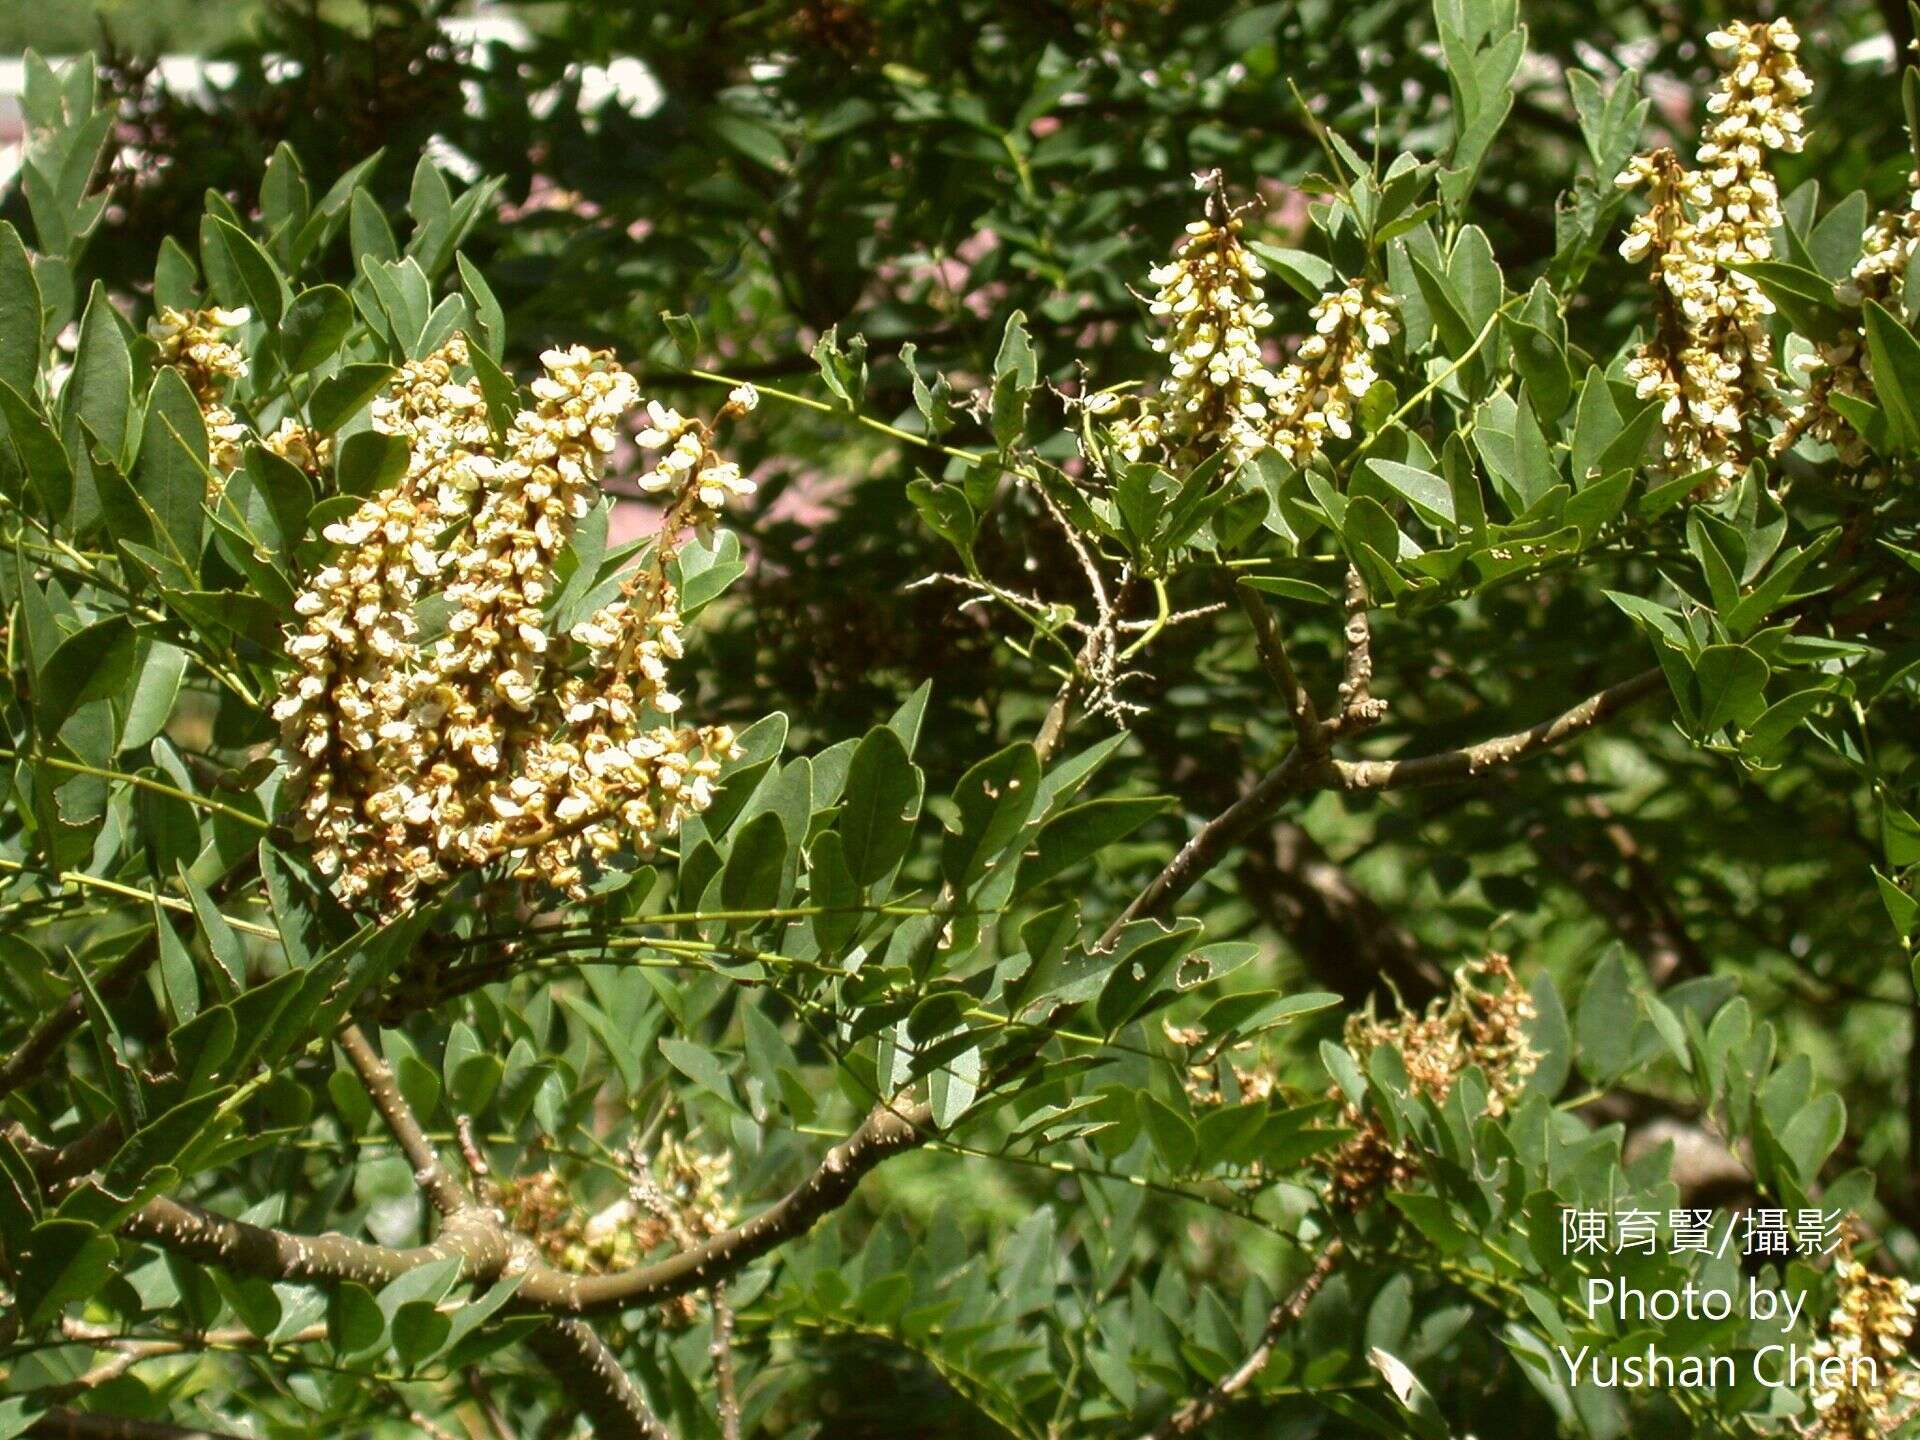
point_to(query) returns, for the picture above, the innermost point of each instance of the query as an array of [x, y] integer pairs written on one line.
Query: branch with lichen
[[569, 1347]]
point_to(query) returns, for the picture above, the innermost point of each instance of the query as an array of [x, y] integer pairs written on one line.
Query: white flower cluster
[[1873, 1389], [610, 774], [347, 711], [1710, 359], [300, 447], [1209, 297], [196, 343], [1331, 370], [685, 454], [1222, 392], [1840, 366], [411, 762]]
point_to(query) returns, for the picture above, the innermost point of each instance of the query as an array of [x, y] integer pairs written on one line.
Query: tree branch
[[1472, 760], [1273, 655], [1211, 842], [1202, 1408], [596, 1381], [579, 1358], [726, 1387], [1358, 708], [1298, 773], [438, 1183], [27, 1062], [485, 1252]]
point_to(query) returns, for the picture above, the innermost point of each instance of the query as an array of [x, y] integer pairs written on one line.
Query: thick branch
[[884, 1133], [1357, 705], [595, 1380], [589, 1371], [1202, 1408], [1298, 772], [1211, 842], [726, 1388], [246, 1249], [485, 1252], [438, 1183], [1473, 760]]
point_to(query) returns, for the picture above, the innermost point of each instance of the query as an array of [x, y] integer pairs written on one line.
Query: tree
[[1094, 961]]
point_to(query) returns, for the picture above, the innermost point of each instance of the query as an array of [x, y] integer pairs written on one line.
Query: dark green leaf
[[882, 799]]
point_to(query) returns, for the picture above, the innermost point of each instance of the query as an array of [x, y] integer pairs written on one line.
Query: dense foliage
[[1005, 719]]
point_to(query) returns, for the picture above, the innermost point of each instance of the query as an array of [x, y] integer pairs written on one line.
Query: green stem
[[140, 782]]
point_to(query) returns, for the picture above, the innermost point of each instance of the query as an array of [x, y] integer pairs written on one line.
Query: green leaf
[[994, 799], [830, 885], [228, 951], [1172, 1134], [1606, 1021], [1731, 680], [22, 325], [259, 280], [171, 473], [1456, 335], [1144, 963], [1429, 495], [370, 461], [419, 1329], [1814, 1134], [881, 802], [178, 976], [1082, 831], [487, 315], [338, 398], [316, 325], [1308, 274], [938, 1013], [1596, 425], [699, 1065], [1806, 299], [64, 1260], [952, 1088], [1902, 909], [945, 511], [354, 1319], [93, 664], [48, 469], [1896, 373], [1542, 362], [755, 863], [97, 399]]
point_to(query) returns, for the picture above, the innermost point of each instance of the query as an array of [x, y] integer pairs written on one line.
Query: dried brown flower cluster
[[1482, 1023], [1221, 393], [1255, 1080], [676, 1197], [1874, 1388], [410, 762], [1710, 359]]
